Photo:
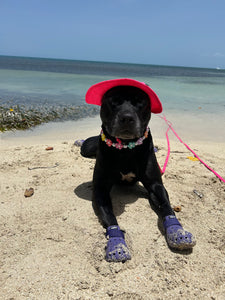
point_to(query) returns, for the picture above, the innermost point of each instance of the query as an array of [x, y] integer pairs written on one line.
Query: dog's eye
[[137, 102], [116, 102]]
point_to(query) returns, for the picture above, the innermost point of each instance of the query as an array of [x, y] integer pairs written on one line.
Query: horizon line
[[110, 62]]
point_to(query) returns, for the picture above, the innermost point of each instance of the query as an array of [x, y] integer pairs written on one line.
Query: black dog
[[124, 152]]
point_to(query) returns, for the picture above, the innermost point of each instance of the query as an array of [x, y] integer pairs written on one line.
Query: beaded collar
[[119, 145]]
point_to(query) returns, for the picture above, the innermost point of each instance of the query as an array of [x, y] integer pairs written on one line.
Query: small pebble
[[200, 195], [49, 148], [177, 208], [29, 192]]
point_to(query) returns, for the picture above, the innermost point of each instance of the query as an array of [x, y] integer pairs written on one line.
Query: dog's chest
[[129, 177]]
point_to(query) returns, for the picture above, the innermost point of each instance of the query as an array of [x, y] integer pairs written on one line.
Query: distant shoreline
[[107, 62], [99, 67]]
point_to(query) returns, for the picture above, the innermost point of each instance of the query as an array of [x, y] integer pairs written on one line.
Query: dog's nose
[[126, 119]]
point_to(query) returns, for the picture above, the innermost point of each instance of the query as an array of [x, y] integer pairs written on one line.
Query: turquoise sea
[[194, 94]]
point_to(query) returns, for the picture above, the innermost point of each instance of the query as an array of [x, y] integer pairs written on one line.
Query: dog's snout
[[126, 119]]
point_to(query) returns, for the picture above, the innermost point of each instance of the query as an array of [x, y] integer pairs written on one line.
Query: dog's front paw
[[176, 236], [116, 249]]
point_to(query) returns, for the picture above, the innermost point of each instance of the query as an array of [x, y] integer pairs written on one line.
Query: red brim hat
[[96, 92]]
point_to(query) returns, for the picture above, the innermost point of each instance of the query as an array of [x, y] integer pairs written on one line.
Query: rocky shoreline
[[21, 117]]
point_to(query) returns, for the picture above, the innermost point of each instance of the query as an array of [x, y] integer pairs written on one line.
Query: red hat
[[96, 92]]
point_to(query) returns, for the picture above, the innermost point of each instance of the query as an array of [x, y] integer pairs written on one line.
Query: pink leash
[[168, 152]]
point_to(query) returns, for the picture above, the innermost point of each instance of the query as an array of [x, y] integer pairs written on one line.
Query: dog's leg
[[89, 147], [102, 205], [176, 236], [116, 249]]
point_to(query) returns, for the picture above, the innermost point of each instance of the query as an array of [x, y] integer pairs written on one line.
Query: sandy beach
[[52, 245]]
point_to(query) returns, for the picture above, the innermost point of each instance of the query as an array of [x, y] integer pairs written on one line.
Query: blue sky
[[161, 32]]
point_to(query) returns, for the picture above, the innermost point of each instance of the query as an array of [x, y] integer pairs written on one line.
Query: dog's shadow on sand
[[121, 195]]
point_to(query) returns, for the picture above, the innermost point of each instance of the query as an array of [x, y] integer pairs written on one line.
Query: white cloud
[[218, 54]]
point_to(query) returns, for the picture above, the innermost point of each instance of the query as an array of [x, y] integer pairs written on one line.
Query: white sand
[[52, 245]]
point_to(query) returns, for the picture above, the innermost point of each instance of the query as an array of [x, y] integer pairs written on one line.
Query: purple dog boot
[[116, 249], [176, 236]]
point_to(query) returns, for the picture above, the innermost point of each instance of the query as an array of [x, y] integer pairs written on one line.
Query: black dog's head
[[125, 112]]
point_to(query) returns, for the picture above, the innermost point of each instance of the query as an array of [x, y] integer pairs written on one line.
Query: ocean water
[[190, 96]]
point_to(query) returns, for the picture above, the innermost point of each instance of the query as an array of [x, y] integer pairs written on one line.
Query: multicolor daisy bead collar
[[119, 145]]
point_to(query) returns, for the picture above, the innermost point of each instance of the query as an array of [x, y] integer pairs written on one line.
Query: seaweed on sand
[[22, 118]]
